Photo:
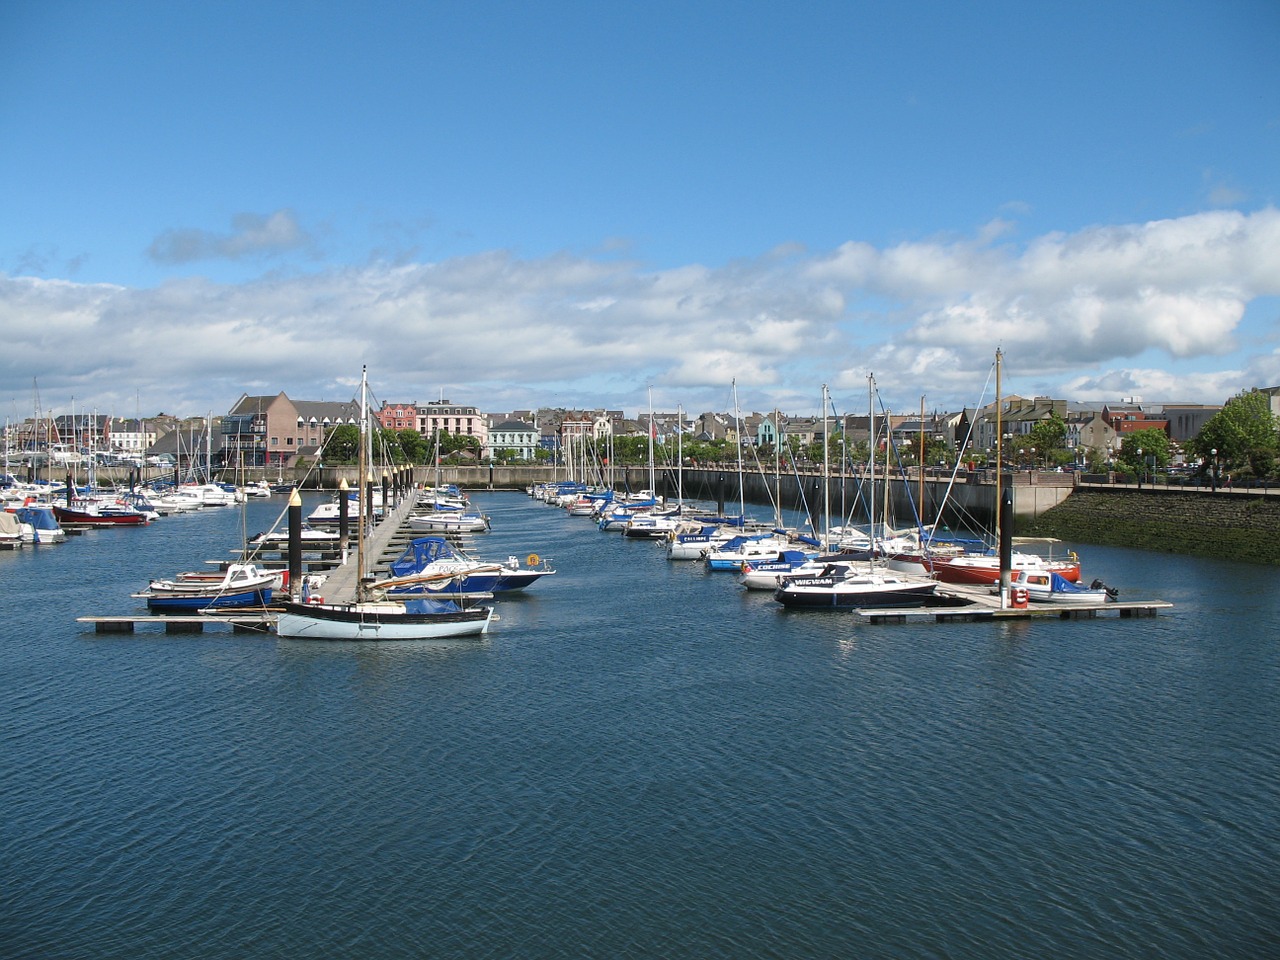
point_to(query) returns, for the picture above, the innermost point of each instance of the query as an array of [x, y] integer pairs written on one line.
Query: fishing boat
[[243, 585], [1049, 587], [373, 615], [96, 513]]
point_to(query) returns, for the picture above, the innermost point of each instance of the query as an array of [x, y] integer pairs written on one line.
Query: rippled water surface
[[641, 760]]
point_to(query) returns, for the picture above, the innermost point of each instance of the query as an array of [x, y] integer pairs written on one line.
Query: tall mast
[[777, 469], [1004, 574], [680, 457], [362, 460], [737, 417], [826, 474], [920, 458], [871, 443], [653, 488]]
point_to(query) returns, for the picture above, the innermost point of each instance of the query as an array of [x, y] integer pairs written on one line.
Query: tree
[[342, 445], [1048, 437], [414, 445], [386, 444], [1245, 434], [1152, 442]]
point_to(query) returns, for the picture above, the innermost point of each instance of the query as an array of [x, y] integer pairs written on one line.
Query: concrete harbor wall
[[1228, 524]]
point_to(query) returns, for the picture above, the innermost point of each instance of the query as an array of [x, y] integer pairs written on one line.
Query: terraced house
[[275, 431]]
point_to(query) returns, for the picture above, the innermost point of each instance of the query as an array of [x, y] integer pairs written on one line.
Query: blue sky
[[516, 205]]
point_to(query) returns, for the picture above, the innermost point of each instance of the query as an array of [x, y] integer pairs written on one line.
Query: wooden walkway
[[974, 604], [340, 582]]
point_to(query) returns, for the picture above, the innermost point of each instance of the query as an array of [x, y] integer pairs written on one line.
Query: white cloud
[[251, 234], [1086, 315]]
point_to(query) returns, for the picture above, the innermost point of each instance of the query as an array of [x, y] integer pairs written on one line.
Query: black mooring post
[[295, 545], [1006, 542], [344, 517]]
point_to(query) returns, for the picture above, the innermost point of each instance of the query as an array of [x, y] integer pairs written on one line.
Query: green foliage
[[414, 447], [342, 444], [1245, 434], [453, 444], [1049, 436], [1152, 443]]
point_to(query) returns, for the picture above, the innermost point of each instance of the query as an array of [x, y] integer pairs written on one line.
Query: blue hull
[[249, 598]]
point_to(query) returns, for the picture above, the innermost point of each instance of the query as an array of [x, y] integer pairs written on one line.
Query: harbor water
[[640, 760]]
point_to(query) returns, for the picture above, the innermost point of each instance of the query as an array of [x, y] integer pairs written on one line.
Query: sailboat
[[372, 616], [834, 582]]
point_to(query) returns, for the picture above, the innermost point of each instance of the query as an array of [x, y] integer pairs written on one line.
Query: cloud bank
[[1155, 309]]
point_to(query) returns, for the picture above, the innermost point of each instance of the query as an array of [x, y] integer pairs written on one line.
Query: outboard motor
[[1112, 592]]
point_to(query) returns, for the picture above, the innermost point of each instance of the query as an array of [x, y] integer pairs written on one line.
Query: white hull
[[375, 621]]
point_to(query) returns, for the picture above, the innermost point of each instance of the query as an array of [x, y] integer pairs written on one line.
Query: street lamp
[[1141, 468], [1213, 474]]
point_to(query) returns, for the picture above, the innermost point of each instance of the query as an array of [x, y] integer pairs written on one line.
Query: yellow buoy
[[533, 559]]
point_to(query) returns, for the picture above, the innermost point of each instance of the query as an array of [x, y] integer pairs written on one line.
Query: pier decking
[[980, 604]]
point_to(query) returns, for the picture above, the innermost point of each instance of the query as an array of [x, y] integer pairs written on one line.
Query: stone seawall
[[1233, 526]]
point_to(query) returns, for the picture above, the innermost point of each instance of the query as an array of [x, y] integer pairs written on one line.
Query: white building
[[513, 435], [455, 419]]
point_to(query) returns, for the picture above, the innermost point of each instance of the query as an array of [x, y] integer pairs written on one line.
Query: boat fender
[[532, 560]]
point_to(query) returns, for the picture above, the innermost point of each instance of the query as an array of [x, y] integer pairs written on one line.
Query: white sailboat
[[372, 616]]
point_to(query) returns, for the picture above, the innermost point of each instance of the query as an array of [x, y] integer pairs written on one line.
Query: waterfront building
[[459, 420], [398, 416], [1127, 418], [514, 435], [275, 431], [1185, 420], [131, 438]]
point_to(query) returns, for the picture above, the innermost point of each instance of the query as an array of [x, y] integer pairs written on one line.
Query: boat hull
[[449, 523], [201, 601], [839, 592], [81, 518], [962, 570], [377, 621]]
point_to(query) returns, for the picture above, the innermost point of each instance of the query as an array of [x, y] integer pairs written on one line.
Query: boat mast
[[1004, 574], [777, 469], [362, 462], [680, 458], [737, 416], [826, 474], [871, 444], [653, 487], [920, 460]]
